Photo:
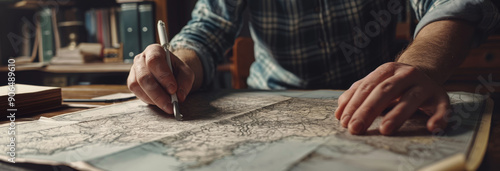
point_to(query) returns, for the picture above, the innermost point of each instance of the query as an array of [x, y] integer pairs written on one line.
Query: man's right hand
[[152, 81]]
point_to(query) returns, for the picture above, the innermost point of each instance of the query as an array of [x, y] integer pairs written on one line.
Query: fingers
[[153, 81], [392, 84], [156, 62], [134, 86], [185, 78], [364, 89], [438, 121], [344, 99], [407, 105], [379, 99], [150, 86]]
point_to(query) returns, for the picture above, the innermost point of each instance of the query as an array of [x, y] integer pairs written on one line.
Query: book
[[118, 11], [31, 98], [147, 27], [130, 35], [113, 19], [84, 53], [90, 25], [105, 23], [98, 16], [46, 50], [55, 32]]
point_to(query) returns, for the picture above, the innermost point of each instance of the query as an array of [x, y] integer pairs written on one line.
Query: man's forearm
[[439, 48], [191, 59]]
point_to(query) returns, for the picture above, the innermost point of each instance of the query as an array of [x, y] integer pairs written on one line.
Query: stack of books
[[83, 53], [31, 99]]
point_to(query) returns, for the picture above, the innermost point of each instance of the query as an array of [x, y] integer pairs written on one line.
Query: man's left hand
[[392, 83]]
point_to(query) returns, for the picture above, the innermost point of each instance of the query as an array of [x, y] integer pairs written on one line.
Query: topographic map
[[239, 130]]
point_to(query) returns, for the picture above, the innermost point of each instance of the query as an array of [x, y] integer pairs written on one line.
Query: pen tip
[[161, 23], [177, 113]]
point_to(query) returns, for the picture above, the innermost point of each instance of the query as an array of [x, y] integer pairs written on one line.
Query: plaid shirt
[[315, 43]]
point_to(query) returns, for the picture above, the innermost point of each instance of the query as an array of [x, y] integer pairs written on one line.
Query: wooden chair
[[240, 61]]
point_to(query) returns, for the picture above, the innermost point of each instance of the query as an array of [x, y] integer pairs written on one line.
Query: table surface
[[73, 68], [490, 161]]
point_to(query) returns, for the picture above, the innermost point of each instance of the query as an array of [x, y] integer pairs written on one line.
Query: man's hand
[[413, 82], [392, 83], [151, 80]]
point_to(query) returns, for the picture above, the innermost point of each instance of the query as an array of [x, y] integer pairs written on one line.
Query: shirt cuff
[[203, 54], [483, 14]]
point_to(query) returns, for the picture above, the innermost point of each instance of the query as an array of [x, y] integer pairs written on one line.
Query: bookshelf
[[65, 14], [19, 11]]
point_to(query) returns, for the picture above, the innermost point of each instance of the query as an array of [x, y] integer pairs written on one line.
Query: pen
[[162, 33]]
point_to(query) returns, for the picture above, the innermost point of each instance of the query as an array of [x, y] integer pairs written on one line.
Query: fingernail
[[344, 120], [356, 127], [171, 88], [387, 126]]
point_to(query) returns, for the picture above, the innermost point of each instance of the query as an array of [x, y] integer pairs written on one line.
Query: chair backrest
[[242, 59]]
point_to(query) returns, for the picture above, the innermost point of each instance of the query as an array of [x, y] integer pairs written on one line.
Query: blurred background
[[82, 42]]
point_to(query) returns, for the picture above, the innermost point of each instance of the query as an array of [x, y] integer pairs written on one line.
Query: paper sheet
[[238, 130]]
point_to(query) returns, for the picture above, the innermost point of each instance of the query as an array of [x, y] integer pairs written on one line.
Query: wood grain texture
[[75, 92]]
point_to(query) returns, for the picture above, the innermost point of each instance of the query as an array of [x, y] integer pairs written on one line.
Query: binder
[[147, 28], [130, 35], [46, 50]]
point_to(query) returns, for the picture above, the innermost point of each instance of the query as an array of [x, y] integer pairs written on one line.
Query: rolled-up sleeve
[[481, 13], [210, 32]]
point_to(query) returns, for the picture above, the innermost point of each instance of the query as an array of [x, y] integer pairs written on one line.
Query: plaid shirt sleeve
[[210, 32], [481, 13]]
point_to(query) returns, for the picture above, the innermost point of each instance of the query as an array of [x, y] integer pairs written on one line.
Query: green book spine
[[47, 35], [147, 28], [130, 31]]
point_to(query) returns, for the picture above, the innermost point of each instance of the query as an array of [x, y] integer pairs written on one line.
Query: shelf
[[36, 4], [75, 68], [89, 68]]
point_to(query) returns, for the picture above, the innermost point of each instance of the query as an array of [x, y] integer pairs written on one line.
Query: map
[[240, 130]]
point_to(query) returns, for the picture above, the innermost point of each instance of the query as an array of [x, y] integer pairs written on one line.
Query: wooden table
[[67, 75], [77, 92], [491, 159]]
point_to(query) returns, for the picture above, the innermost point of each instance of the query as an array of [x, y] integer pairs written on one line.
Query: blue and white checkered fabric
[[315, 43]]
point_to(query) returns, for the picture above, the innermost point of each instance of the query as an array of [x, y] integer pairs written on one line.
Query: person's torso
[[319, 43]]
